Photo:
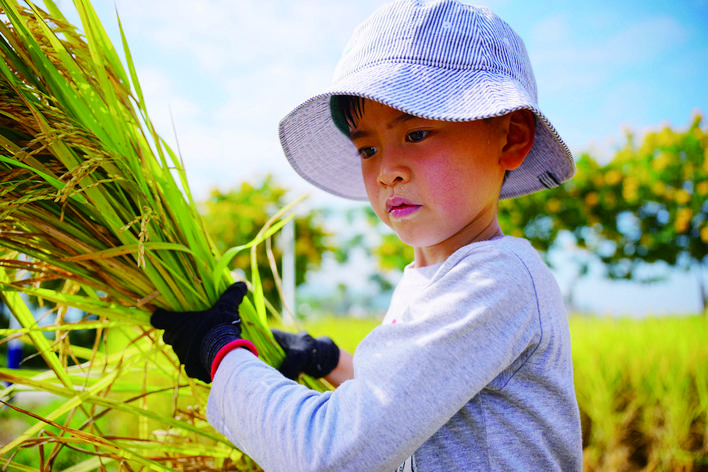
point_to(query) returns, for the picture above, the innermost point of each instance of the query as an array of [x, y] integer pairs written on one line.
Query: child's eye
[[418, 135], [367, 152]]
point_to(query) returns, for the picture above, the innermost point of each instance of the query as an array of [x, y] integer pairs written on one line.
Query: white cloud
[[224, 34]]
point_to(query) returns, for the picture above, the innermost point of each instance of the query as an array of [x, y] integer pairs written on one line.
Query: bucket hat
[[439, 60]]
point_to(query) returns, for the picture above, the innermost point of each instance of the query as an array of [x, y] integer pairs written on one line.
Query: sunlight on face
[[435, 183]]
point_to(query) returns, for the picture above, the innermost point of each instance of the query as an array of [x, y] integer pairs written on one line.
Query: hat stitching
[[548, 180]]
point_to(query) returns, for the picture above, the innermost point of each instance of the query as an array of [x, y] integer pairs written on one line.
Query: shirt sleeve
[[474, 324]]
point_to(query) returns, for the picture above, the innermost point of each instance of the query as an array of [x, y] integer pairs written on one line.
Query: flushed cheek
[[370, 183], [378, 203], [450, 197]]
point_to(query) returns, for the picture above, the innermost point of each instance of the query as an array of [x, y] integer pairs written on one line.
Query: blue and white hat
[[440, 60]]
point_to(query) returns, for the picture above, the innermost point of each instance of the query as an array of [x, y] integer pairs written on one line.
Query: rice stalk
[[92, 196]]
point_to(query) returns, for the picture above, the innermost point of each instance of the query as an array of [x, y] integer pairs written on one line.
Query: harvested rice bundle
[[91, 196]]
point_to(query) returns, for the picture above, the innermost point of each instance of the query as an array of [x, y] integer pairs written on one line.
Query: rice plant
[[96, 214], [643, 392]]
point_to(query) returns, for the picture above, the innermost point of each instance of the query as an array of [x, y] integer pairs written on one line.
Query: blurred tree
[[235, 217], [649, 204]]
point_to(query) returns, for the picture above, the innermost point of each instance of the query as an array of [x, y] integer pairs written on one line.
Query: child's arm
[[343, 371], [410, 379]]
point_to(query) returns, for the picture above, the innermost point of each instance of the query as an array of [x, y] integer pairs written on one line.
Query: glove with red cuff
[[316, 357], [201, 339]]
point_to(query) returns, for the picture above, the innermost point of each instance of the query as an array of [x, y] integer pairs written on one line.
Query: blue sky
[[223, 72]]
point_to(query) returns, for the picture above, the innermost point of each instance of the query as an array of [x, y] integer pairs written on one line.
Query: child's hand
[[305, 354], [197, 336]]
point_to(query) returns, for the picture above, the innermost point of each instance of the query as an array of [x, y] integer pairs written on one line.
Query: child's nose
[[393, 169]]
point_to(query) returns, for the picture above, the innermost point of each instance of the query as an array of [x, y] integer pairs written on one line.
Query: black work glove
[[315, 357], [197, 336]]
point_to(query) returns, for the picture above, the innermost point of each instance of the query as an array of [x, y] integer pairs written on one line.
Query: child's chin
[[416, 240]]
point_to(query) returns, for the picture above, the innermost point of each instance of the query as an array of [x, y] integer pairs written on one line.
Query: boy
[[432, 116]]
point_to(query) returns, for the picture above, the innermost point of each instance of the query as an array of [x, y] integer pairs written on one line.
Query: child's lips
[[400, 207]]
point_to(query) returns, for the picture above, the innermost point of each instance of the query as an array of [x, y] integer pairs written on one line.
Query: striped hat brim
[[320, 153]]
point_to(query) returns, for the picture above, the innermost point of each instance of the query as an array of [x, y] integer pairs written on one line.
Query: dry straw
[[96, 214]]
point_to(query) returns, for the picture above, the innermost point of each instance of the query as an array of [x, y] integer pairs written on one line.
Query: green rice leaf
[[92, 196]]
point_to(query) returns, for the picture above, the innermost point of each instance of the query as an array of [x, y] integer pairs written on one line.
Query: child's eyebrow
[[400, 119], [403, 117]]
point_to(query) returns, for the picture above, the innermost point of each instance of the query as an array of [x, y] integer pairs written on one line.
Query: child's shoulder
[[505, 258], [504, 249]]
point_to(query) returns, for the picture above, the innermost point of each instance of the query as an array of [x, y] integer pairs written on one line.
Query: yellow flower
[[669, 193], [688, 171], [704, 234], [630, 189], [642, 174], [683, 219], [649, 144], [658, 188], [553, 205], [592, 199], [661, 161], [682, 197], [613, 177], [666, 137], [702, 188]]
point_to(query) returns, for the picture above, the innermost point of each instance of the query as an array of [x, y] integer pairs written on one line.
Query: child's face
[[435, 183]]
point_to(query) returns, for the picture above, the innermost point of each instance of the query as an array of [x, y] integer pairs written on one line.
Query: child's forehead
[[368, 104], [378, 116], [373, 112], [373, 106], [395, 115]]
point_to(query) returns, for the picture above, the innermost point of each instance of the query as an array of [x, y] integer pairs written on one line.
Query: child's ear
[[520, 135]]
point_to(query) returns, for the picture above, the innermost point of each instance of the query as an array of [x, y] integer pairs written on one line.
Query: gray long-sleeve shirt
[[471, 370]]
